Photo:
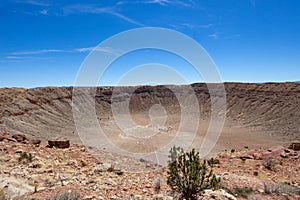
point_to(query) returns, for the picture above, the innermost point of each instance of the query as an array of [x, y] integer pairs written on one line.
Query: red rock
[[257, 156], [10, 139], [245, 157], [59, 143], [34, 142], [295, 145], [19, 137], [284, 155], [5, 135]]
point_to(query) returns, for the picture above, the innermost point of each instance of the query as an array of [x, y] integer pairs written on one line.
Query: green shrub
[[25, 158], [188, 175]]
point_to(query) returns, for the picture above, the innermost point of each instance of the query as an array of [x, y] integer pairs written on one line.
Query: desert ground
[[262, 121]]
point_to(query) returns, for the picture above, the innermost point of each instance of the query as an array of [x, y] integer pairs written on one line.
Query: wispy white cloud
[[80, 8], [183, 26], [188, 25], [38, 52], [160, 2], [35, 2], [218, 35], [108, 50], [126, 18], [44, 12], [84, 49], [206, 25], [43, 54], [215, 35], [84, 8], [21, 58], [187, 3], [14, 57], [21, 54]]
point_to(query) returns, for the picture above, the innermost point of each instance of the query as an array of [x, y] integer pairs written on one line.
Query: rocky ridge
[[270, 108]]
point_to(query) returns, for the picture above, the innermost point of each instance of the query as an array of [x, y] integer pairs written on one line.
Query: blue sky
[[44, 42]]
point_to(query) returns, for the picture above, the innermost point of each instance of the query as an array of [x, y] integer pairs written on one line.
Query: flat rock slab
[[61, 144]]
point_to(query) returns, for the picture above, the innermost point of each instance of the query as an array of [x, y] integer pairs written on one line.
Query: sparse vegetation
[[269, 163], [73, 195], [242, 191], [3, 195], [188, 175], [271, 189], [25, 158], [157, 185], [284, 188]]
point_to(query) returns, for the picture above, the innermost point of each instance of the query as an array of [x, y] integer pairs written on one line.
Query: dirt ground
[[258, 116]]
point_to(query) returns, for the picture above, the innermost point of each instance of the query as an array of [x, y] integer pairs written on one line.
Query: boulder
[[245, 157], [19, 137], [284, 155], [257, 156], [217, 195], [295, 145], [10, 139], [61, 144], [4, 136]]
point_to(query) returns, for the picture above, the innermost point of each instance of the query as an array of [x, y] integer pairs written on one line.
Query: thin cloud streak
[[171, 2], [15, 59], [80, 8], [126, 18], [218, 35], [215, 35], [193, 26], [35, 3], [43, 12], [160, 2], [100, 49], [38, 52], [84, 8], [18, 55], [23, 56]]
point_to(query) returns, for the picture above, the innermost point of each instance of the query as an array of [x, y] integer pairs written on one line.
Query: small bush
[[271, 189], [188, 175], [242, 191], [285, 188], [25, 158], [157, 185], [269, 163], [3, 195], [73, 195]]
